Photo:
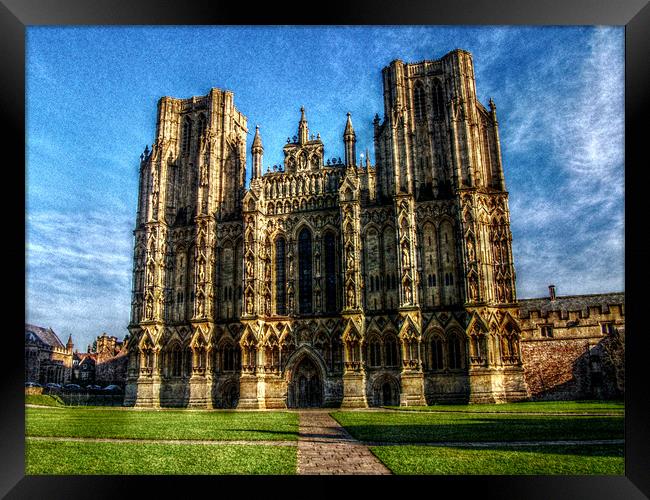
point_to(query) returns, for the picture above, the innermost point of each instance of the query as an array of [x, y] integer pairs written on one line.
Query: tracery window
[[436, 354], [280, 277], [187, 135], [176, 361], [330, 272], [454, 352], [437, 99], [392, 351], [305, 271], [419, 101], [375, 352]]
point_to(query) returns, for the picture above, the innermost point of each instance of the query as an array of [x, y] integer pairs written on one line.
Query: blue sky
[[91, 109]]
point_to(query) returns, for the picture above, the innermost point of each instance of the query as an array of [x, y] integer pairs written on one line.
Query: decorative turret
[[69, 346], [303, 131], [257, 151], [350, 139]]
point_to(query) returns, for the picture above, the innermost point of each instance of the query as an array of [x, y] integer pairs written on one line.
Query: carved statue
[[407, 293], [472, 289], [249, 304], [405, 256], [350, 297], [470, 250], [249, 268]]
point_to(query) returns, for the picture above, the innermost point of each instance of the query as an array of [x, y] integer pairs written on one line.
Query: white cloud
[[78, 273]]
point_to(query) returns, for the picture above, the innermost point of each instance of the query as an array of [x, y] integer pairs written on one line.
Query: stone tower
[[327, 282]]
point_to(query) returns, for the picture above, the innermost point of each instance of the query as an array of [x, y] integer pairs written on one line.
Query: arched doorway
[[230, 395], [385, 391], [306, 387]]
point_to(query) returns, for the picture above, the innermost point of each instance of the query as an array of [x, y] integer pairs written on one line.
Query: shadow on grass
[[486, 429], [582, 450]]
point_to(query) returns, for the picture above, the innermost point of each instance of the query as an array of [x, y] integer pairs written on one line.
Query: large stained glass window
[[305, 271], [330, 272], [280, 277]]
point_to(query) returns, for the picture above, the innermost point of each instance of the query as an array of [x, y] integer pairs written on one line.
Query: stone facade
[[327, 283], [46, 358], [573, 346]]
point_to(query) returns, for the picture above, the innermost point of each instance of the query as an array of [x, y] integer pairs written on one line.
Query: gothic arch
[[298, 355], [385, 390]]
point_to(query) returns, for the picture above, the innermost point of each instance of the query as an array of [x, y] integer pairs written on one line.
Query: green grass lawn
[[538, 460], [523, 407], [43, 400], [414, 427], [166, 424], [49, 457]]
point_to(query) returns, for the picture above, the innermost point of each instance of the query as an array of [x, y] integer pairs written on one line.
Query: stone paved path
[[324, 447]]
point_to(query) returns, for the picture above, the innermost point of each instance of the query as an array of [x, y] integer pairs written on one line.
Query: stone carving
[[218, 227]]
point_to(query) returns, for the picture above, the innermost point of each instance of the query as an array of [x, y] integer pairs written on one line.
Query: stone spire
[[257, 151], [69, 345], [303, 131], [350, 139]]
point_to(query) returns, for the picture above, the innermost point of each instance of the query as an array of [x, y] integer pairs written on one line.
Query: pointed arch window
[[330, 272], [375, 352], [436, 354], [419, 102], [305, 271], [437, 99], [177, 361], [280, 277], [187, 136], [454, 353], [391, 350]]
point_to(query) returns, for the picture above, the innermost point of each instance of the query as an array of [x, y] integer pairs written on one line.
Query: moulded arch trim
[[298, 355], [303, 224], [382, 378], [408, 325], [477, 321], [509, 320], [434, 332]]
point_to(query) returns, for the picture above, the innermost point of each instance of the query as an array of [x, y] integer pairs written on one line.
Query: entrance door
[[306, 386]]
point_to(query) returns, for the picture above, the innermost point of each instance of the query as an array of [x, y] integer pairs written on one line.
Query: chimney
[[551, 292]]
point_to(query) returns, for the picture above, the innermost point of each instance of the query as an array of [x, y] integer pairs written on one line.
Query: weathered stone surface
[[327, 282]]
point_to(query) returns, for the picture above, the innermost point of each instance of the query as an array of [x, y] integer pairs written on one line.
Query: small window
[[607, 328], [547, 331]]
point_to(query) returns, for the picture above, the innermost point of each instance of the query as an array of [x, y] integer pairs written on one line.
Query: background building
[[327, 282], [46, 358], [573, 347]]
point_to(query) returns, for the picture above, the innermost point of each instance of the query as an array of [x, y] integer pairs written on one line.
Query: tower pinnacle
[[349, 140], [303, 131], [257, 150]]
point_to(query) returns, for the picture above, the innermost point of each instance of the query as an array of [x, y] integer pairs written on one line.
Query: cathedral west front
[[327, 283]]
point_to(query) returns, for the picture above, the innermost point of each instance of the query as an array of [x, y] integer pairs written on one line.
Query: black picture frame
[[15, 15]]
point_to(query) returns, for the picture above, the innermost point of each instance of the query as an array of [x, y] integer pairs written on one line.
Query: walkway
[[325, 448]]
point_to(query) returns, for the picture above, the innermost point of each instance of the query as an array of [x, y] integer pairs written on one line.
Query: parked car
[[112, 388], [32, 384], [93, 387], [51, 386], [71, 387]]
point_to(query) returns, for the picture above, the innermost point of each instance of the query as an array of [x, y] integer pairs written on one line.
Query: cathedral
[[327, 283]]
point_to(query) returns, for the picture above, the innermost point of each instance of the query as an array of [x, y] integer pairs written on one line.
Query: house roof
[[83, 356], [570, 303], [45, 335]]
